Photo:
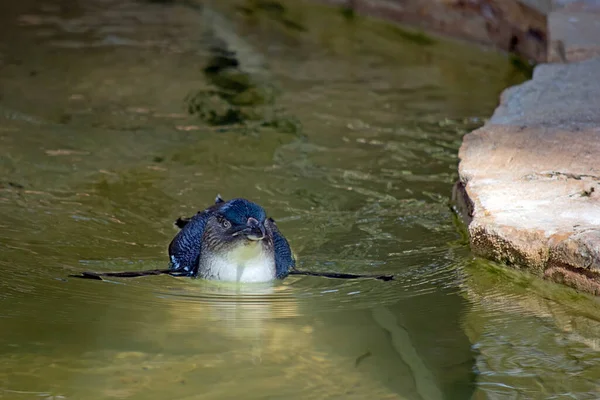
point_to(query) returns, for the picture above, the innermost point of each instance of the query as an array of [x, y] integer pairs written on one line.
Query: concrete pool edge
[[529, 179]]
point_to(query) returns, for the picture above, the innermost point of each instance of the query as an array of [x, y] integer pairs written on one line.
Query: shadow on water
[[346, 132]]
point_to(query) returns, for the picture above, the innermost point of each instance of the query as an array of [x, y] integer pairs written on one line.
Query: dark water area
[[117, 117]]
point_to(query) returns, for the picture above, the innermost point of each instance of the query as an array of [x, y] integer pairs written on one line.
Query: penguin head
[[234, 222]]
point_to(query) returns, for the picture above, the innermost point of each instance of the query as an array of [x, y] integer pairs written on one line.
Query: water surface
[[352, 149]]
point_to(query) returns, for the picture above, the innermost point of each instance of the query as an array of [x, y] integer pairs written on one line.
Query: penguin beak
[[254, 230]]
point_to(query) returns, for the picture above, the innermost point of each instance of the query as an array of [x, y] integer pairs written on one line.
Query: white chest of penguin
[[248, 262]]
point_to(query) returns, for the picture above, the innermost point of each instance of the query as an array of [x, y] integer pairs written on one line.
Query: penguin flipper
[[284, 257], [186, 246]]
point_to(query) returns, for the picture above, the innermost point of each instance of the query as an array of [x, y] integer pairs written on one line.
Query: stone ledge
[[530, 178]]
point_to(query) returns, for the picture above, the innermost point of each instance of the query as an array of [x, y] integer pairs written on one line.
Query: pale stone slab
[[530, 178]]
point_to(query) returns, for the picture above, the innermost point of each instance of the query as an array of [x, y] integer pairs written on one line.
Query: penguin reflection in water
[[231, 241]]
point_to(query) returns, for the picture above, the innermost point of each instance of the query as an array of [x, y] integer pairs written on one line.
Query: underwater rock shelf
[[529, 179], [510, 25]]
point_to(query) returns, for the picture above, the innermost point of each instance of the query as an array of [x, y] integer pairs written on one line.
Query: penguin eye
[[226, 224]]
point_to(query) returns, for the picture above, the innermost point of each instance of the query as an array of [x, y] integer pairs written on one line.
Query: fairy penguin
[[230, 241]]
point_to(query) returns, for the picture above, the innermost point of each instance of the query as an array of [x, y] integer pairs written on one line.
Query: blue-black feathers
[[185, 249], [237, 211], [284, 259]]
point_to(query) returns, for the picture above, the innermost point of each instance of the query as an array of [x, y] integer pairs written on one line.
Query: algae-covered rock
[[253, 96], [283, 123], [238, 95], [213, 109]]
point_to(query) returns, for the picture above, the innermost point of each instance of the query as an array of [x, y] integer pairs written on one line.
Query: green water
[[349, 140]]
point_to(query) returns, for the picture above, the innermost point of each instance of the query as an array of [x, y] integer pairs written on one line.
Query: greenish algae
[[522, 65], [412, 35], [238, 97], [348, 12], [274, 10]]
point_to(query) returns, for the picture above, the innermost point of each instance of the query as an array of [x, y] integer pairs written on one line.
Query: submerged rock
[[273, 10], [241, 92], [511, 25]]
